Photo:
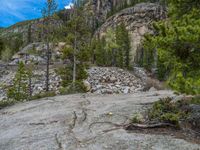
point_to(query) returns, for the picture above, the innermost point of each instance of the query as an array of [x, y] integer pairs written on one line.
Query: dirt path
[[68, 123]]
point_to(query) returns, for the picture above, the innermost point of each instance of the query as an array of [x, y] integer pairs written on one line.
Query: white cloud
[[69, 6]]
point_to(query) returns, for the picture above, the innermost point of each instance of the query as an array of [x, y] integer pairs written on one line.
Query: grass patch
[[77, 88]]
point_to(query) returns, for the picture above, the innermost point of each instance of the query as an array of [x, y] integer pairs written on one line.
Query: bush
[[137, 118], [165, 110], [78, 87], [5, 103]]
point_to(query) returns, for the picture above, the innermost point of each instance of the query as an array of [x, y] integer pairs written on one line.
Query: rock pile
[[102, 80], [112, 80], [38, 82]]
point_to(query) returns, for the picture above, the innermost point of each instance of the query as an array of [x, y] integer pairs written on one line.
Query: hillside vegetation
[[176, 44], [170, 50]]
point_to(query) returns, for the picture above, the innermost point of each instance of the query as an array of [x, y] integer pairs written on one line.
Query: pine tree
[[123, 42], [29, 34], [19, 90], [177, 42], [77, 39], [111, 48], [30, 76], [48, 13], [100, 52]]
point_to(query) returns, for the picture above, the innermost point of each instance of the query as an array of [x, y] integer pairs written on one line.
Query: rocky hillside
[[100, 80], [104, 8], [138, 21], [28, 29]]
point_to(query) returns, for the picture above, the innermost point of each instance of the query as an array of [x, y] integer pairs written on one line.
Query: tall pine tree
[[123, 42], [48, 13], [78, 37]]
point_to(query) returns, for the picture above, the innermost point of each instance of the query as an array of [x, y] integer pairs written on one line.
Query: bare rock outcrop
[[83, 122], [138, 21]]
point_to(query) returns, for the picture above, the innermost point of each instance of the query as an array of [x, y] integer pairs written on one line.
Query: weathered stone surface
[[64, 122], [137, 20]]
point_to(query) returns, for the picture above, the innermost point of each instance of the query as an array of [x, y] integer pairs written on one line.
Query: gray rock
[[87, 85], [152, 89], [50, 124], [113, 79]]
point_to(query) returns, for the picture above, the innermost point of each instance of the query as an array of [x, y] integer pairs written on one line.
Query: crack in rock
[[60, 147], [74, 119], [84, 115], [43, 123]]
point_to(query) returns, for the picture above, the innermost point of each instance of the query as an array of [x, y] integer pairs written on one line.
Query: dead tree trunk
[[47, 67]]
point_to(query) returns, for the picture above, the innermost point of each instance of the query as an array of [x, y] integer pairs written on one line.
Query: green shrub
[[5, 103], [137, 118], [78, 87], [171, 118], [43, 95], [165, 110], [195, 100]]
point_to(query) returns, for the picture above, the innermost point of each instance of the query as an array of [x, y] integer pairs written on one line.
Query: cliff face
[[101, 8], [138, 21]]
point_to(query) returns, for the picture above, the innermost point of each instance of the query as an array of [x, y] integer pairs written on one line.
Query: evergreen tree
[[30, 76], [177, 42], [123, 42], [48, 13], [111, 48], [29, 36], [19, 90], [100, 52], [77, 38]]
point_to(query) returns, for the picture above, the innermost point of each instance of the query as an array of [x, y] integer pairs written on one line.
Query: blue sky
[[12, 11]]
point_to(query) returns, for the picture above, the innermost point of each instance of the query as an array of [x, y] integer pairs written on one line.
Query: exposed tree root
[[106, 122], [133, 126]]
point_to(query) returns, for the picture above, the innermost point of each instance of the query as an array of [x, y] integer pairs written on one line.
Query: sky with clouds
[[12, 11]]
